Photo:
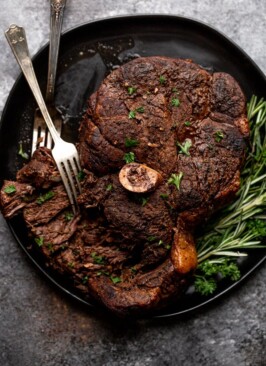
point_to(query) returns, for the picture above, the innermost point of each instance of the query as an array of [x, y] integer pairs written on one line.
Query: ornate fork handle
[[56, 20], [16, 38]]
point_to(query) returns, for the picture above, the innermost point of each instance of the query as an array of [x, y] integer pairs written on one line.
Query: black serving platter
[[87, 54]]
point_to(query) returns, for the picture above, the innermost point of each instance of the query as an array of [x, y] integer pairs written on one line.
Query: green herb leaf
[[160, 242], [184, 148], [81, 175], [132, 114], [39, 241], [175, 102], [85, 280], [187, 123], [98, 259], [45, 197], [109, 187], [116, 279], [71, 264], [131, 90], [151, 238], [10, 189], [205, 286], [208, 271], [219, 135], [139, 109], [229, 269], [164, 196], [23, 154], [131, 142], [174, 90], [129, 157], [144, 201], [162, 79], [50, 247], [175, 179], [69, 216], [257, 227]]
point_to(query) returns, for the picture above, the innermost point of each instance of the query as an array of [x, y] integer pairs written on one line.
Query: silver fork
[[64, 153], [41, 135]]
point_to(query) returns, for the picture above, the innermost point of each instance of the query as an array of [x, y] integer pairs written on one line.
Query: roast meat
[[161, 146]]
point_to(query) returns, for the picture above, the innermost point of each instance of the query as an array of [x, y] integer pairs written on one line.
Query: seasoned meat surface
[[135, 252]]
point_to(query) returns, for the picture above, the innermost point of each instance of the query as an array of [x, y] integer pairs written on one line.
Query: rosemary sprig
[[241, 225]]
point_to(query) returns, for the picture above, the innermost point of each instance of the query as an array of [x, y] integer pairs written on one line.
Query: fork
[[41, 135], [64, 153]]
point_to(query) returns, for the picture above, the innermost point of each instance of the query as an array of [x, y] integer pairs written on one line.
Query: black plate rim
[[138, 16], [113, 19]]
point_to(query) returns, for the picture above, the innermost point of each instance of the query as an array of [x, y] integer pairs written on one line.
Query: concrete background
[[41, 326]]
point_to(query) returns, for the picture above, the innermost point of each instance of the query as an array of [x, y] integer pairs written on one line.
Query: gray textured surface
[[40, 326]]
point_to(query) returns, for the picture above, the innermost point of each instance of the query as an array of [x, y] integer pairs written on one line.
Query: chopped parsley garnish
[[164, 196], [98, 259], [45, 197], [143, 201], [187, 123], [69, 216], [85, 280], [162, 79], [175, 102], [109, 187], [71, 264], [218, 136], [10, 189], [116, 279], [131, 142], [132, 114], [22, 153], [139, 110], [174, 90], [151, 238], [175, 179], [168, 246], [184, 148], [160, 242], [131, 90], [81, 175], [50, 247], [39, 241], [129, 157]]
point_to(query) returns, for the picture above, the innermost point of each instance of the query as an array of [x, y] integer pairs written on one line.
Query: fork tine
[[34, 140], [67, 187], [76, 169], [69, 173], [49, 140]]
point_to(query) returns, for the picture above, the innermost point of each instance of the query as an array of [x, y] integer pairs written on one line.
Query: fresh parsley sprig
[[175, 179], [184, 147]]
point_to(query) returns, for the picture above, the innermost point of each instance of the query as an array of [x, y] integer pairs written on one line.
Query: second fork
[[64, 153]]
